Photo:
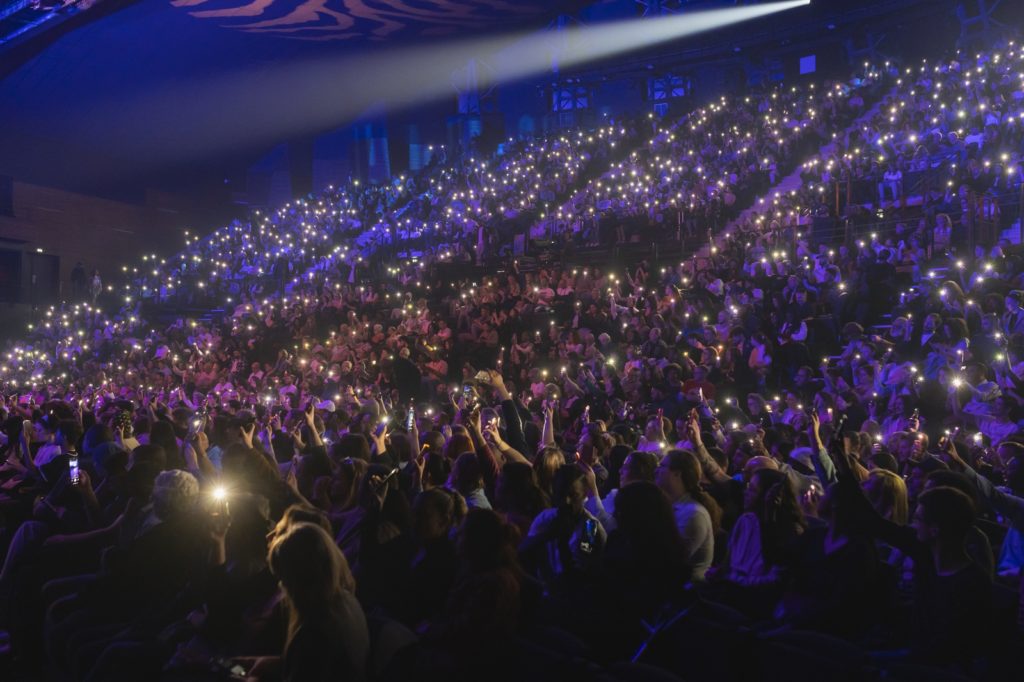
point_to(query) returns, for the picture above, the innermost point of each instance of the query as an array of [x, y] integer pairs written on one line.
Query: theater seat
[[909, 672], [388, 638], [639, 672], [788, 655], [707, 641], [557, 639]]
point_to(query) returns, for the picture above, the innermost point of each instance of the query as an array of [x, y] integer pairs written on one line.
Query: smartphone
[[73, 474], [589, 536], [197, 423], [410, 419], [227, 668], [384, 481], [219, 497]]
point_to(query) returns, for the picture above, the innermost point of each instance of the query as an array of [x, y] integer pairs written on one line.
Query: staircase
[[793, 181]]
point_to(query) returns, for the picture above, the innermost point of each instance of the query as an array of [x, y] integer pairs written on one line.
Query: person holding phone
[[654, 438], [565, 543], [44, 433], [65, 440]]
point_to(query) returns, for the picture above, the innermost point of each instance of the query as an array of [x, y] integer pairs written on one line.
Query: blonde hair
[[312, 570], [888, 495], [545, 464]]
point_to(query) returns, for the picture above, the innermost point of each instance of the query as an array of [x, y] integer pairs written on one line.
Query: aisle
[[792, 182]]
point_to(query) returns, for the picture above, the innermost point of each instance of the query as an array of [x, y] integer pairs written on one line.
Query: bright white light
[[309, 97]]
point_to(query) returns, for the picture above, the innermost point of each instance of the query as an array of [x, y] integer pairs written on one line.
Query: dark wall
[[56, 226]]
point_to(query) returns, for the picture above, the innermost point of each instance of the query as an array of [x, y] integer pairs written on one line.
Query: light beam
[[239, 110]]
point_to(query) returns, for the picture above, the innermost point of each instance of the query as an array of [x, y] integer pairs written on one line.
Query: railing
[[987, 217], [869, 190]]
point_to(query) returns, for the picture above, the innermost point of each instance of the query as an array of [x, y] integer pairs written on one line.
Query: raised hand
[[493, 434], [474, 421], [247, 434], [380, 438], [693, 428], [590, 478], [810, 500], [419, 463], [498, 383], [291, 478], [202, 441]]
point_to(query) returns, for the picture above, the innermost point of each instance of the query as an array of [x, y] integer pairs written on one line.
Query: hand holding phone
[[380, 484]]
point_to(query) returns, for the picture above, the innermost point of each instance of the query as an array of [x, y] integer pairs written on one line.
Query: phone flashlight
[[73, 473]]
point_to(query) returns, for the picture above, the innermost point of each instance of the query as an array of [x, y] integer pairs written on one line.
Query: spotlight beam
[[245, 109], [589, 43]]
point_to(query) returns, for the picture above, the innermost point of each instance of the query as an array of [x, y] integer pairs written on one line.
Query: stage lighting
[[239, 110]]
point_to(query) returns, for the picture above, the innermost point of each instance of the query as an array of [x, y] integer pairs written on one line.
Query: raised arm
[[488, 462], [823, 464], [510, 453], [1010, 506], [712, 471], [547, 434], [864, 516], [514, 437], [314, 436]]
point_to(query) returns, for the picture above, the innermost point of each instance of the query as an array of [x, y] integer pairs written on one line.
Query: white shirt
[[996, 430], [47, 454], [604, 509], [650, 446], [695, 527]]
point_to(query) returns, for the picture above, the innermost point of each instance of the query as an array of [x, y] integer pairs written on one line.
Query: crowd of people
[[694, 177], [946, 130], [785, 450]]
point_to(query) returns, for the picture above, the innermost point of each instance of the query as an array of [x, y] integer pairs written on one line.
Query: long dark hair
[[517, 491], [688, 466], [644, 516], [162, 434], [254, 473], [561, 487], [486, 543], [781, 521]]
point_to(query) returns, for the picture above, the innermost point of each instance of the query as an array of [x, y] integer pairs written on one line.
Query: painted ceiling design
[[346, 20]]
